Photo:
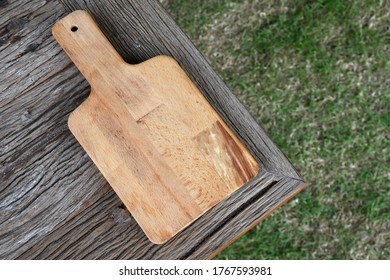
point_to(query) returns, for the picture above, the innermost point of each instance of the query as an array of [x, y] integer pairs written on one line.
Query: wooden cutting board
[[155, 138]]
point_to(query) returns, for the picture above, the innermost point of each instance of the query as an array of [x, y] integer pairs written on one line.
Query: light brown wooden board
[[155, 138]]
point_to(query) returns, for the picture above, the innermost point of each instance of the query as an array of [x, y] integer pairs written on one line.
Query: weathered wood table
[[54, 203]]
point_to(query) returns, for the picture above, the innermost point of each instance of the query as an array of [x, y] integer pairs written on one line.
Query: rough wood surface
[[154, 137], [54, 203]]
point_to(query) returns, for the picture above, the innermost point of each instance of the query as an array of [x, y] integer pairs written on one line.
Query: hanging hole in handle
[[74, 28]]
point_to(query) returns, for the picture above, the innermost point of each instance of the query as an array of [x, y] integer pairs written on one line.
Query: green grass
[[316, 76]]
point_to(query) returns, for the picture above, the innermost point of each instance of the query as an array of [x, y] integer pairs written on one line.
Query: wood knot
[[16, 24], [121, 215]]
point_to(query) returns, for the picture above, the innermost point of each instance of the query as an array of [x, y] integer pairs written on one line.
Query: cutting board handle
[[86, 45]]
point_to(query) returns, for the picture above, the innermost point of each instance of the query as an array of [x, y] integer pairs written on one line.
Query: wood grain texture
[[140, 125], [54, 204]]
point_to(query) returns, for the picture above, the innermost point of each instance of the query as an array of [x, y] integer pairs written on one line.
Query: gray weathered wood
[[54, 204]]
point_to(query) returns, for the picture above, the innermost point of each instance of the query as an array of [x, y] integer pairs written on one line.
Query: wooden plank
[[54, 204], [41, 164]]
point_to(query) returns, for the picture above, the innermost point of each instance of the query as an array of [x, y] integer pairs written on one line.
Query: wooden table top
[[54, 203]]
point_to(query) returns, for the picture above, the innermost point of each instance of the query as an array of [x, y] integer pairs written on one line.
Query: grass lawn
[[316, 76]]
